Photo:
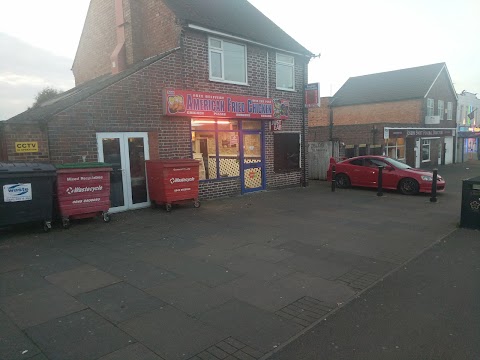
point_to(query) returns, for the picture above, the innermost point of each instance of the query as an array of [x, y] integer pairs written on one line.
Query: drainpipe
[[304, 136], [119, 55]]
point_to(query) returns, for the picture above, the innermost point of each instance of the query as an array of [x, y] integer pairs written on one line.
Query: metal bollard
[[434, 186], [333, 178], [380, 181]]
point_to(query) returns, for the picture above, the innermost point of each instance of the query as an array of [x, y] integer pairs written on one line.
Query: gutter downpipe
[[304, 132]]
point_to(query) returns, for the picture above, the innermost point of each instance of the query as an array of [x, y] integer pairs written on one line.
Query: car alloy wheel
[[409, 186], [342, 181]]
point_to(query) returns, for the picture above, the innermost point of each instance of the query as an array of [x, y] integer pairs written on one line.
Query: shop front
[[420, 147], [228, 134], [468, 146]]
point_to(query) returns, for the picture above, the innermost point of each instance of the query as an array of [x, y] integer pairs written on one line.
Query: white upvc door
[[126, 152]]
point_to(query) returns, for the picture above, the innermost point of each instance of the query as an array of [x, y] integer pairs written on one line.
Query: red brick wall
[[24, 133], [97, 42], [442, 90], [320, 116], [396, 112]]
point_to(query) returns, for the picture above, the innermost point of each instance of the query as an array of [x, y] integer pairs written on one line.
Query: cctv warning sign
[[26, 147]]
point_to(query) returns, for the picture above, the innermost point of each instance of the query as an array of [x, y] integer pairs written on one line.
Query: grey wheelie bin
[[27, 193], [470, 214]]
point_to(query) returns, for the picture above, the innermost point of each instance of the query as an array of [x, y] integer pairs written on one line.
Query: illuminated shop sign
[[412, 132], [185, 103]]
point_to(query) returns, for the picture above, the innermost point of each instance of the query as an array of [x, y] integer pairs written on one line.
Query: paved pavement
[[429, 310], [236, 279]]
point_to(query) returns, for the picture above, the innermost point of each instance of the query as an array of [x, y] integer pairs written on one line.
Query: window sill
[[289, 90], [228, 82]]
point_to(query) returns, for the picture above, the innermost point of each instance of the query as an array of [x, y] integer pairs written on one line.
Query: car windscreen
[[398, 164]]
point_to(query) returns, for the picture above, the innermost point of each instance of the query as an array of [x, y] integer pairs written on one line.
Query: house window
[[425, 150], [395, 148], [216, 145], [285, 72], [441, 109], [449, 110], [286, 150], [430, 107], [228, 61]]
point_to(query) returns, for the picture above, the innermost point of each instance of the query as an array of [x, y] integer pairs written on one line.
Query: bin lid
[[83, 165], [24, 167], [475, 180]]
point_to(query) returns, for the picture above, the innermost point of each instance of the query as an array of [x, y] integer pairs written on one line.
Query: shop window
[[216, 145], [441, 109], [395, 148], [425, 150], [449, 110], [228, 61], [286, 149], [430, 107], [285, 72]]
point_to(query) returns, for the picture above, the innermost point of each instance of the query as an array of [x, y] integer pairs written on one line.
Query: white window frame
[[212, 49], [426, 142], [397, 148], [430, 107], [449, 110], [291, 65], [441, 109]]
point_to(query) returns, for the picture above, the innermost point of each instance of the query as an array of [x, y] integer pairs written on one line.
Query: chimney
[[119, 55]]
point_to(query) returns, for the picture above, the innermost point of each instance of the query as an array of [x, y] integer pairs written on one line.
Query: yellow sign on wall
[[26, 147]]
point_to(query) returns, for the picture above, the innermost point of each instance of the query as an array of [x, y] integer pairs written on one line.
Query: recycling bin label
[[17, 192]]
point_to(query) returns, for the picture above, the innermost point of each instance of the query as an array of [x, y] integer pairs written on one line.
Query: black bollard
[[333, 178], [380, 181], [434, 186]]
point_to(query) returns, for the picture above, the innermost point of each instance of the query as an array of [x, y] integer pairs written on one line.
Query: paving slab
[[120, 302], [14, 345], [258, 328], [80, 336], [38, 306], [258, 269], [82, 279], [189, 296], [171, 333], [20, 281], [132, 352]]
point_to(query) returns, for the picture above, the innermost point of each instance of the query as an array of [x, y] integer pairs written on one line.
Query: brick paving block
[[219, 353], [252, 352], [284, 315], [228, 347], [243, 356], [301, 322], [204, 355], [290, 311]]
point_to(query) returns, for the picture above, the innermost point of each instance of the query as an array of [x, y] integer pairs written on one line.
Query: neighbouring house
[[408, 114], [212, 80], [468, 127]]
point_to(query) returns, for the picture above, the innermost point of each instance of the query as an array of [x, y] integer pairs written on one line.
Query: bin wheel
[[66, 223], [106, 217], [168, 207], [47, 226], [196, 204]]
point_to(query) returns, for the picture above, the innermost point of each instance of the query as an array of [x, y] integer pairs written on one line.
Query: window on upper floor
[[441, 109], [430, 107], [227, 61], [449, 110], [285, 72]]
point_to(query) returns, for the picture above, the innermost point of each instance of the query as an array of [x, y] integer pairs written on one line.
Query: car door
[[389, 175], [357, 172]]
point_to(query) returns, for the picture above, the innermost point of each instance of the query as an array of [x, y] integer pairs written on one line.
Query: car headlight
[[427, 178]]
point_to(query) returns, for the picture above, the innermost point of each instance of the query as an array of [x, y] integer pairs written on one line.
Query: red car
[[363, 171]]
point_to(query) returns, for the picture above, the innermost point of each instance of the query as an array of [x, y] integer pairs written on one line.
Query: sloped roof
[[69, 98], [235, 17], [404, 84]]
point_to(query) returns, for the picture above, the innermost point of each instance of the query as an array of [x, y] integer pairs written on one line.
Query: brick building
[[468, 127], [407, 114], [213, 80]]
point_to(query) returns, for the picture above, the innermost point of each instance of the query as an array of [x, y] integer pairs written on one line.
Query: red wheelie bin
[[173, 181], [83, 191]]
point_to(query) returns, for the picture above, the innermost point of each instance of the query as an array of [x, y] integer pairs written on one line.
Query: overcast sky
[[38, 41]]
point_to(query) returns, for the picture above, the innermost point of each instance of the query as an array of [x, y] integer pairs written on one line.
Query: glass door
[[253, 164], [127, 153]]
